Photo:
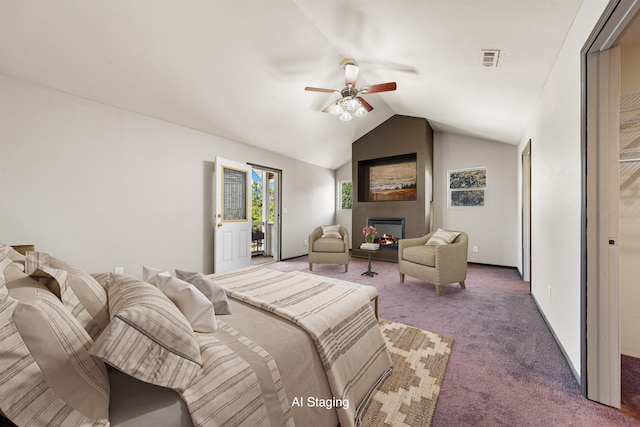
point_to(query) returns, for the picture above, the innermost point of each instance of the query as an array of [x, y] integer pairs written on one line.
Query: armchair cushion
[[442, 237], [329, 244], [423, 255]]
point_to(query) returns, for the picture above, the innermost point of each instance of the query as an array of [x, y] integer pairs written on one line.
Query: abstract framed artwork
[[467, 187]]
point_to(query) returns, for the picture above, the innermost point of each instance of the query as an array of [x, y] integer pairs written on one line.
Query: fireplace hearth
[[390, 230]]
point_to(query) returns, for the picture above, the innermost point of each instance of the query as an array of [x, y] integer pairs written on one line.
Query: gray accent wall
[[397, 136]]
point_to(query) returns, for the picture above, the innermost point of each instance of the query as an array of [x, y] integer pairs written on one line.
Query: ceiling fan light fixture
[[346, 116], [337, 110], [350, 105], [353, 104], [361, 111]]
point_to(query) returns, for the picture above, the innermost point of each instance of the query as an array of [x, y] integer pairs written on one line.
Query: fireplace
[[390, 230]]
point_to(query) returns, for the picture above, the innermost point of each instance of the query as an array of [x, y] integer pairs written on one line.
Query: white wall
[[491, 227], [102, 187], [555, 133], [343, 217]]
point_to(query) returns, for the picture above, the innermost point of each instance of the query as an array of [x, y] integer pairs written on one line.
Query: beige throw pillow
[[331, 231], [442, 237], [13, 255], [47, 371], [148, 337], [79, 292], [4, 263]]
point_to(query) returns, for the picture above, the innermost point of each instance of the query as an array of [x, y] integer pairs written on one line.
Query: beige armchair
[[331, 249], [437, 264]]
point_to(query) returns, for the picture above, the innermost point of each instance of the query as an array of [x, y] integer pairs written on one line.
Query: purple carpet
[[505, 368]]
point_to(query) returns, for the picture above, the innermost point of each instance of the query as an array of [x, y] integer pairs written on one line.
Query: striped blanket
[[229, 389], [338, 317]]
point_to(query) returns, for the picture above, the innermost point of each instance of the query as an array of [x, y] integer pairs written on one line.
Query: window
[[467, 186], [345, 195]]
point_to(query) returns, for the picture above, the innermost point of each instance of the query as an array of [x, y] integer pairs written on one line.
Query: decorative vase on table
[[369, 235]]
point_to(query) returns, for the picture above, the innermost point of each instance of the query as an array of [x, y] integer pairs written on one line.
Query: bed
[[294, 349]]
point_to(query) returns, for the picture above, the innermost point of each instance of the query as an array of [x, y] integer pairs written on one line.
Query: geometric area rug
[[409, 395]]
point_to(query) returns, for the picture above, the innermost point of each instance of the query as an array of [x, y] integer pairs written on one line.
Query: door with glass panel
[[232, 231]]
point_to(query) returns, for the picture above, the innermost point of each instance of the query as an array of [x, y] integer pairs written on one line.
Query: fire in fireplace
[[387, 240], [390, 230]]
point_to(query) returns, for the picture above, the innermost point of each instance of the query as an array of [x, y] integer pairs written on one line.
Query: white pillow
[[331, 231], [190, 301]]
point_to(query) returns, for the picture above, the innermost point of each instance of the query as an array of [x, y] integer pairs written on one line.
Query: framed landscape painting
[[393, 181]]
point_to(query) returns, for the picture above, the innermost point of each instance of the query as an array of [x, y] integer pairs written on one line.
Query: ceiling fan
[[351, 105]]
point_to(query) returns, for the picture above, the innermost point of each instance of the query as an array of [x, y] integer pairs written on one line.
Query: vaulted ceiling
[[237, 68]]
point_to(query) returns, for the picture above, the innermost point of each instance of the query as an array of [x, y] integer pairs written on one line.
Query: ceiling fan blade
[[318, 89], [330, 106], [351, 74], [365, 104], [382, 87]]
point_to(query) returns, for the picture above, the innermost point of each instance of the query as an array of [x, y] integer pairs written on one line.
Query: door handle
[[219, 224]]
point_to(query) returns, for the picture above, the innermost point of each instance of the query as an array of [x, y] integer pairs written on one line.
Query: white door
[[232, 235]]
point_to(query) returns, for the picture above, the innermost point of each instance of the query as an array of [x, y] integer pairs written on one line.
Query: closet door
[[602, 196]]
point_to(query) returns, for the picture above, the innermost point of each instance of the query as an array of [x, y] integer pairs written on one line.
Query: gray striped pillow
[[442, 237], [80, 293], [148, 337], [47, 376], [210, 288]]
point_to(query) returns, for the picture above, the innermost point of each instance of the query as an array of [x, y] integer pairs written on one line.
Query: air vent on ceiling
[[490, 57]]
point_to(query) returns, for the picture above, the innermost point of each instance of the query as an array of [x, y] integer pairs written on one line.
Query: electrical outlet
[[305, 242], [549, 292], [475, 249], [118, 270]]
